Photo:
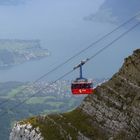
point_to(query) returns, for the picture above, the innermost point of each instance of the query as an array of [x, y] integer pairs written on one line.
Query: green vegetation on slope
[[64, 126], [15, 91]]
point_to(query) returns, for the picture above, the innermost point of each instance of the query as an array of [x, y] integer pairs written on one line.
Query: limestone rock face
[[115, 105], [25, 132]]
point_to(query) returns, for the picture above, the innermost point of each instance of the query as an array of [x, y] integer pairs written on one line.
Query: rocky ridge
[[25, 132], [111, 113], [115, 106]]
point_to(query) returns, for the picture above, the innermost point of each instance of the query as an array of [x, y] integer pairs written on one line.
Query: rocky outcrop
[[25, 132], [115, 106], [111, 113], [116, 103]]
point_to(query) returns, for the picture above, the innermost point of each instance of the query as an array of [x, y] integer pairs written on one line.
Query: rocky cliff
[[25, 132], [111, 113]]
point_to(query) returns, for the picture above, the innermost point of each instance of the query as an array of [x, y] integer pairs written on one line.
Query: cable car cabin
[[82, 87]]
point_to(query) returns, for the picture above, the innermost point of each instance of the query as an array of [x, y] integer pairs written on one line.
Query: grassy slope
[[66, 125]]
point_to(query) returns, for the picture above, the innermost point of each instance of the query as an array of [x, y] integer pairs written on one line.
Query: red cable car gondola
[[81, 85]]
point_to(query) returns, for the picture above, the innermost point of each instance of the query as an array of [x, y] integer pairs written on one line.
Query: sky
[[67, 26], [33, 18], [55, 23]]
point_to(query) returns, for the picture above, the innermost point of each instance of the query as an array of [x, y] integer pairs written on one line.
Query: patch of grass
[[69, 124], [15, 91], [122, 136], [83, 123]]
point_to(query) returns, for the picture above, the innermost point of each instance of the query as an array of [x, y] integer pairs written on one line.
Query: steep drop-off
[[111, 113]]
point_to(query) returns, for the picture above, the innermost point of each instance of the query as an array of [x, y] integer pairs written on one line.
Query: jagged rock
[[117, 102], [25, 132]]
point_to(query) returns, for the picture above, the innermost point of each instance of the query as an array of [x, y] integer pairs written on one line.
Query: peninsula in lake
[[14, 52]]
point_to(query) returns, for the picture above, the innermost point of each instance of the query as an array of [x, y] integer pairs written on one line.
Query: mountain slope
[[112, 112]]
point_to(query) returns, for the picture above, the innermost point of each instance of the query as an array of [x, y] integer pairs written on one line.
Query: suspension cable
[[61, 77], [75, 55]]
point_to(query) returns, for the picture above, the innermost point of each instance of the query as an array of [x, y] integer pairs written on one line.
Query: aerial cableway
[[81, 85], [77, 54], [82, 63]]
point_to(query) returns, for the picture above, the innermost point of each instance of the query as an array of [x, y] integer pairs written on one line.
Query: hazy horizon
[[63, 30]]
